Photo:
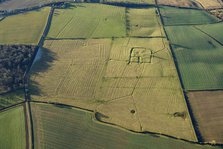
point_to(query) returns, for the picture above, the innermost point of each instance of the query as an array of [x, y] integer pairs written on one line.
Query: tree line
[[14, 60]]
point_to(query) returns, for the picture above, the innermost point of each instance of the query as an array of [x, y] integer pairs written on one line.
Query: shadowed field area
[[12, 98]]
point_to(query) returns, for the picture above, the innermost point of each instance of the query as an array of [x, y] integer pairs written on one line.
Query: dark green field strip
[[58, 128], [11, 98], [199, 58], [12, 130], [179, 16], [214, 30]]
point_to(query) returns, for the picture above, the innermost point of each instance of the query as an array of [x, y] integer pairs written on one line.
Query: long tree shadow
[[42, 63]]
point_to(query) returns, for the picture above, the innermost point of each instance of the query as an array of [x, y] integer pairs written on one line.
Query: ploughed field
[[207, 107], [58, 127]]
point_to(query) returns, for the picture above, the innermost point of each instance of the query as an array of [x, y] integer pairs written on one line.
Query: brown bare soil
[[207, 107], [179, 3]]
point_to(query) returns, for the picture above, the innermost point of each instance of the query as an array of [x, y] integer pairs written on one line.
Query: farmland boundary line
[[220, 21], [208, 35], [11, 106], [28, 137], [146, 37], [193, 120]]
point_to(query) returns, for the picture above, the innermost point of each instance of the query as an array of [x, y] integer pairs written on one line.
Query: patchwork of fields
[[59, 127], [102, 75], [115, 61], [25, 28], [198, 50], [199, 58], [12, 130]]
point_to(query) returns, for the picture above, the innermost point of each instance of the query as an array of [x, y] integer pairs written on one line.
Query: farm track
[[197, 132], [26, 80]]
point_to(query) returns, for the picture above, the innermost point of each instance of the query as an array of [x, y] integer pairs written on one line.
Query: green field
[[25, 28], [144, 22], [63, 127], [12, 130], [181, 16], [131, 1], [79, 21], [214, 30], [11, 98], [199, 58], [102, 75]]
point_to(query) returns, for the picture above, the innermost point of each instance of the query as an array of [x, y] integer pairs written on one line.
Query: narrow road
[[27, 107]]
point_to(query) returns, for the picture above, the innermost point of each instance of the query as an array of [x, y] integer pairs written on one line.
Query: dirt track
[[207, 107]]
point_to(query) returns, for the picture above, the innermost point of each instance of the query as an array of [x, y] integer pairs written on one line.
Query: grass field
[[79, 21], [143, 22], [102, 75], [12, 130], [11, 98], [179, 3], [207, 108], [61, 127], [207, 4], [10, 5], [181, 16], [214, 30], [132, 1], [199, 58], [25, 28]]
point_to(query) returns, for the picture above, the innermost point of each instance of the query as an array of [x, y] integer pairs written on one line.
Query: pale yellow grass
[[25, 28], [96, 74]]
